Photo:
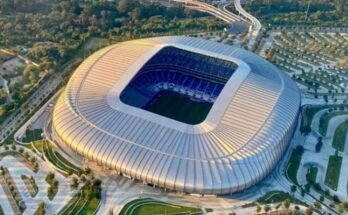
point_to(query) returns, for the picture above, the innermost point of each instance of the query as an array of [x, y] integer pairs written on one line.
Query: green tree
[[309, 211], [258, 209], [287, 203], [74, 182], [88, 171], [317, 205], [125, 6], [266, 208], [41, 209], [293, 188], [50, 177], [342, 6]]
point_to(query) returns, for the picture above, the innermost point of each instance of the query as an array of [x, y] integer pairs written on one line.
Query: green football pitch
[[150, 207], [179, 107]]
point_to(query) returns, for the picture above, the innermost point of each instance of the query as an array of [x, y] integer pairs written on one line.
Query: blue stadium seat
[[180, 71]]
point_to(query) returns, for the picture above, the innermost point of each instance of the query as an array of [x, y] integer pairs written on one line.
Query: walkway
[[320, 160], [342, 187], [17, 169], [256, 24]]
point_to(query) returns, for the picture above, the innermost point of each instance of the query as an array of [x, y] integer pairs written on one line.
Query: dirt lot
[[9, 67]]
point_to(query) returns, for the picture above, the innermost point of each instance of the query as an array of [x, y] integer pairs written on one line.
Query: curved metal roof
[[242, 139]]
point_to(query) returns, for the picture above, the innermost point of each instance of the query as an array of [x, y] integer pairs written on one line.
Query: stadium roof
[[239, 143]]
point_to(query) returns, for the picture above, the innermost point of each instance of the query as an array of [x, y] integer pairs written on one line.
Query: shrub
[[299, 150], [309, 211], [306, 130], [345, 205], [293, 188], [32, 160], [50, 177], [317, 205], [11, 187], [21, 150], [88, 170], [97, 183], [319, 145], [50, 191], [83, 178], [317, 187], [336, 199], [26, 155], [266, 208], [36, 167], [287, 203], [74, 182], [41, 209]]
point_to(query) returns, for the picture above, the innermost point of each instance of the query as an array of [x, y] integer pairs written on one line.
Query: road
[[256, 24], [226, 16], [17, 168], [14, 121], [21, 131], [280, 178]]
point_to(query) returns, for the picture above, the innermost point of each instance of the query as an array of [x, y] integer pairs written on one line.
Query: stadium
[[181, 113]]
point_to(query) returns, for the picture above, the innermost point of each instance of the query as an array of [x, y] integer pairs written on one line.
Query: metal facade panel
[[236, 150]]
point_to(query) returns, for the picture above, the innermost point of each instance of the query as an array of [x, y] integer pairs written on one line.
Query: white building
[[237, 144]]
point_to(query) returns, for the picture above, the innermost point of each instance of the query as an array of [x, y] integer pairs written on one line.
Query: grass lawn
[[293, 165], [325, 119], [150, 207], [79, 205], [4, 56], [276, 196], [91, 207], [309, 113], [339, 139], [92, 44], [31, 185], [59, 161], [54, 191], [40, 210], [19, 69], [71, 204], [39, 145], [312, 174], [179, 107], [72, 167], [333, 171], [32, 135]]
